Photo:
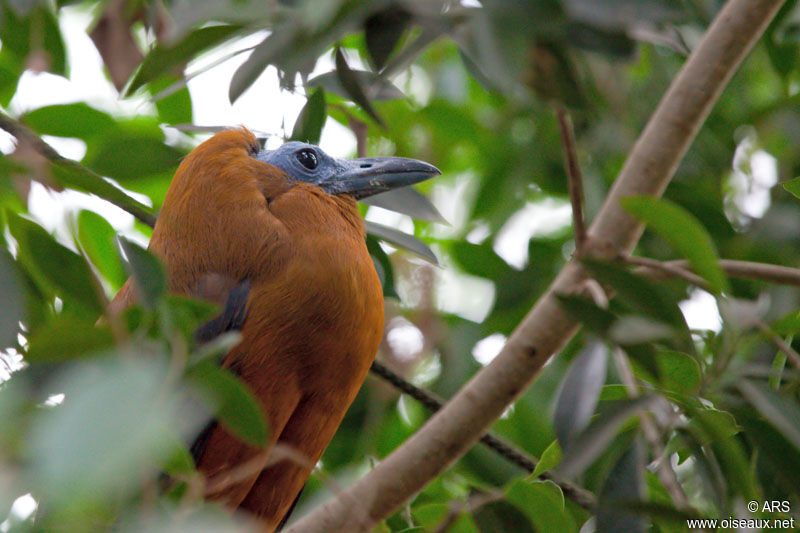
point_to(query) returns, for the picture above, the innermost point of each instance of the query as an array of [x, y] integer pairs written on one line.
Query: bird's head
[[358, 178]]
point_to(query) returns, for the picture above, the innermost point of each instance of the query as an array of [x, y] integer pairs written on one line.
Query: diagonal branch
[[648, 170]]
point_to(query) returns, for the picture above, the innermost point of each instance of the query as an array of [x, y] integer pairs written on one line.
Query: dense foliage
[[659, 420]]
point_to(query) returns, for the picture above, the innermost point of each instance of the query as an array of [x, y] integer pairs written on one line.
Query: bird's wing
[[231, 318]]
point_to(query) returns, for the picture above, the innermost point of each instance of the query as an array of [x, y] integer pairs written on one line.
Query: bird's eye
[[307, 158]]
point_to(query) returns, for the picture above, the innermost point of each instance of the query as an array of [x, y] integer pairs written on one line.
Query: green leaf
[[112, 432], [96, 237], [165, 57], [781, 413], [728, 450], [55, 267], [587, 446], [408, 201], [401, 240], [550, 457], [594, 317], [67, 337], [679, 372], [149, 277], [174, 108], [383, 266], [13, 308], [479, 259], [236, 406], [308, 126], [131, 156], [69, 120], [792, 186], [501, 517], [543, 504], [580, 392], [352, 86], [684, 233]]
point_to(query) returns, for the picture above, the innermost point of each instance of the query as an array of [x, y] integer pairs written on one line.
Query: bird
[[275, 238]]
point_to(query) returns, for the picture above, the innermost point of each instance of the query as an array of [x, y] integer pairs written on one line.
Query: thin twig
[[782, 345], [671, 269], [651, 433], [112, 194], [359, 128], [732, 267], [574, 177], [512, 454]]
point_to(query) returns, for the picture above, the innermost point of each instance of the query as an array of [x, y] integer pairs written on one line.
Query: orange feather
[[315, 315]]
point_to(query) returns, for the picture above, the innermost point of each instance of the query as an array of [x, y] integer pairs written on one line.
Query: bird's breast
[[322, 315]]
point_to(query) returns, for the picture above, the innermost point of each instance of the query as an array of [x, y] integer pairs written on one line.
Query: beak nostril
[[366, 165]]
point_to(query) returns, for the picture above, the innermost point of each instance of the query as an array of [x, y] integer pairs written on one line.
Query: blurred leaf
[[150, 279], [166, 58], [634, 329], [174, 108], [263, 54], [382, 32], [587, 446], [311, 119], [407, 201], [383, 266], [58, 268], [780, 412], [550, 457], [792, 186], [594, 317], [113, 430], [543, 504], [373, 85], [625, 484], [236, 406], [352, 85], [479, 259], [684, 233], [67, 337], [13, 308], [402, 240], [179, 461], [127, 156], [69, 120], [97, 239], [580, 392]]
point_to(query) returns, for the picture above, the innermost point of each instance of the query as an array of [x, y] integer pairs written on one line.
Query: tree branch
[[74, 174], [574, 177], [648, 170]]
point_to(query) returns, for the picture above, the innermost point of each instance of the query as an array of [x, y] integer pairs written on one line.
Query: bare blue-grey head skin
[[357, 177]]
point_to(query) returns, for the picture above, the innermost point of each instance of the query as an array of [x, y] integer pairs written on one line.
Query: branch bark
[[648, 170]]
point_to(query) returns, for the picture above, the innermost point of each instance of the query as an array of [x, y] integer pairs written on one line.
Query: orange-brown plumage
[[315, 305]]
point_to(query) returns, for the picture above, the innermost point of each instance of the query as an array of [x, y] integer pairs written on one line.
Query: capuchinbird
[[274, 236]]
